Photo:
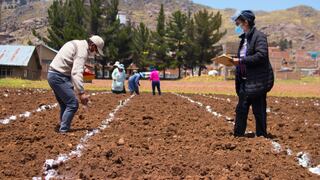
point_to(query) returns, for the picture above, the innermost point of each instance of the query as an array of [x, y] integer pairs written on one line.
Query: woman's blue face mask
[[239, 30]]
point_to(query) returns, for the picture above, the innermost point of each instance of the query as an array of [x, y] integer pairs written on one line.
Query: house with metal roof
[[46, 55], [19, 62]]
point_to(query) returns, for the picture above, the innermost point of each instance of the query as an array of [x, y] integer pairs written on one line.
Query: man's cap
[[98, 41]]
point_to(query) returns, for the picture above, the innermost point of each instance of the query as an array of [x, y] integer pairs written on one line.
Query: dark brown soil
[[161, 137], [293, 122], [27, 142], [17, 101]]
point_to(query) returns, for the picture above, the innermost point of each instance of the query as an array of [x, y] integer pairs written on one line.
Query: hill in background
[[299, 24]]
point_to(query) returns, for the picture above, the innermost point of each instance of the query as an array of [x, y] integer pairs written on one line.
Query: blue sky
[[266, 5]]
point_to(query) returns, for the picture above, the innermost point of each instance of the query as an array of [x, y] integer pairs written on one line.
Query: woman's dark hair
[[250, 22]]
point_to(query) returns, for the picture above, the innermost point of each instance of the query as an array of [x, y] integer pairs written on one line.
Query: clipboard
[[224, 59]]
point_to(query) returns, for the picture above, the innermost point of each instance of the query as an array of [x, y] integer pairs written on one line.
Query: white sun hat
[[98, 41]]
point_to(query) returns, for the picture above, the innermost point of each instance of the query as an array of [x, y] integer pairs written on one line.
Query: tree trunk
[[200, 68], [192, 72], [164, 73], [102, 71], [179, 75], [201, 61]]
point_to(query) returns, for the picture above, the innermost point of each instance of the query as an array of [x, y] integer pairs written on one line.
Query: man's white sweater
[[70, 61]]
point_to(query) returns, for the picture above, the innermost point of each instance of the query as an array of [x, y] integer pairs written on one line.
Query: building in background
[[122, 16], [287, 64], [46, 55], [228, 72], [19, 62]]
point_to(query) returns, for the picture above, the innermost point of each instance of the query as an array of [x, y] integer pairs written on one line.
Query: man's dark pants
[[63, 90]]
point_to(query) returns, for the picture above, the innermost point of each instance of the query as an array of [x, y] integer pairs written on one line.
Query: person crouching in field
[[66, 72], [134, 83], [155, 81], [118, 77], [254, 74]]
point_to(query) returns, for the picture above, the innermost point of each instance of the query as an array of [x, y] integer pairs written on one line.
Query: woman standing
[[155, 80], [254, 74], [118, 77]]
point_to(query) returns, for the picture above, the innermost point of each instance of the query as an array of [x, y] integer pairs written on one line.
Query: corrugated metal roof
[[15, 55], [50, 48]]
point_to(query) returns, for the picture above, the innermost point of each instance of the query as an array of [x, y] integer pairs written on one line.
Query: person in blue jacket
[[134, 83]]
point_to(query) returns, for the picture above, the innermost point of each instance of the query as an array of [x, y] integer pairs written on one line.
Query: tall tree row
[[182, 41], [207, 34], [66, 22]]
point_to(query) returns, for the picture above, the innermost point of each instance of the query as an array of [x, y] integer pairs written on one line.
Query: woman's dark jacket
[[259, 74]]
